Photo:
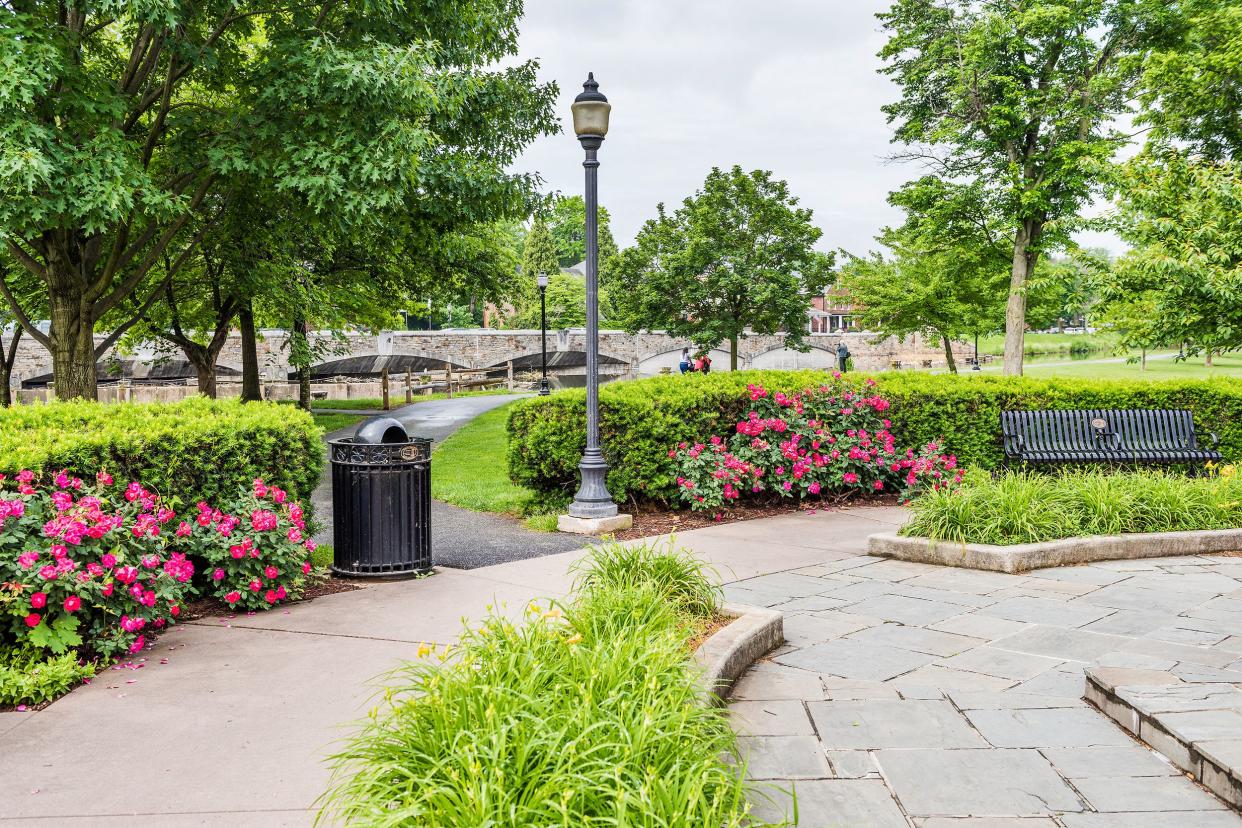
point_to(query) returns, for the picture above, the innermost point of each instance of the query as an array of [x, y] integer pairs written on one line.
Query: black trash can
[[381, 502]]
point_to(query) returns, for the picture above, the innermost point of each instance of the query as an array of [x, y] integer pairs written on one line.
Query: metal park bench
[[1147, 436]]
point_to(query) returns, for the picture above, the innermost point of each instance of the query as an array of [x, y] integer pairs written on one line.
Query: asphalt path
[[460, 538]]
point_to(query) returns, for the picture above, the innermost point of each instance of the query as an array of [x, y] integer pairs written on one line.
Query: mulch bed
[[213, 607], [652, 519]]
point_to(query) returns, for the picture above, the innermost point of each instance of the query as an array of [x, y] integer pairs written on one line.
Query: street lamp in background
[[976, 365], [592, 510], [543, 333]]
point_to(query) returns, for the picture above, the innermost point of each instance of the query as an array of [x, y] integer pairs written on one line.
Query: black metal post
[[543, 340], [592, 499], [976, 366]]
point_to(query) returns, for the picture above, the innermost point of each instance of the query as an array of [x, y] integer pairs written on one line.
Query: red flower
[[33, 620], [38, 601], [73, 603], [233, 597]]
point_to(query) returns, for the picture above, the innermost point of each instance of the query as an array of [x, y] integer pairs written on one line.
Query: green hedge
[[198, 449], [642, 419]]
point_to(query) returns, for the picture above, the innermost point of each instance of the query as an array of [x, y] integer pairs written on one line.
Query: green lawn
[[1051, 343], [469, 470], [397, 398], [331, 422], [1229, 365]]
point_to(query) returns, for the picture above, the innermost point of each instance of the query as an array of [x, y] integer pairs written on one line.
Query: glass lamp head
[[591, 110], [542, 279]]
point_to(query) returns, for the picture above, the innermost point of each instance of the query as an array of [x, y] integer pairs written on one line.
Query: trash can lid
[[381, 430]]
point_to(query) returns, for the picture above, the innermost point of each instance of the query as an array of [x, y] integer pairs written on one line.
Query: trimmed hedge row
[[197, 449], [640, 420]]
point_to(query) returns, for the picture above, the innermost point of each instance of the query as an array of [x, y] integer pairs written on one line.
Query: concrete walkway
[[915, 695], [460, 538], [907, 696]]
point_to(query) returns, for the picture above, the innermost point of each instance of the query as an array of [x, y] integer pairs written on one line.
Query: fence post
[[509, 368], [384, 386], [409, 388], [448, 379]]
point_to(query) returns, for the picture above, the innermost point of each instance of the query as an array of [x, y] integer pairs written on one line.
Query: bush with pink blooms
[[99, 567], [828, 440], [255, 552]]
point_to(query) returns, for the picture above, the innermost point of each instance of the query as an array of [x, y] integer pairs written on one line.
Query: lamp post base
[[594, 526], [543, 387]]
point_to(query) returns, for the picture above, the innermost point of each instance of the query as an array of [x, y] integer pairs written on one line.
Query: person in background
[[685, 365], [697, 365], [843, 356], [706, 366]]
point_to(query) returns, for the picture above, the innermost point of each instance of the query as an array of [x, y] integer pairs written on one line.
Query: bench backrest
[[1089, 430]]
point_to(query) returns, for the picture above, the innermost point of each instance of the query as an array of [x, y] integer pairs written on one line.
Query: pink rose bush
[[102, 566], [817, 442]]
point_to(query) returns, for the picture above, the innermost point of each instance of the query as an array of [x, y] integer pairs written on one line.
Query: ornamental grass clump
[[584, 714], [1029, 508]]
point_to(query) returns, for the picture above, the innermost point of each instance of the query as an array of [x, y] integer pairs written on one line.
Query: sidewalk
[[233, 730]]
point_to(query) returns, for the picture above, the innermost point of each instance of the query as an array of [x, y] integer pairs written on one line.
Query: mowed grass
[[1164, 368], [469, 470], [1051, 343], [332, 422]]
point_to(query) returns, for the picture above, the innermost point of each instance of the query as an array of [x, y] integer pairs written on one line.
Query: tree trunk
[[204, 363], [7, 360], [948, 354], [733, 352], [250, 390], [1207, 360], [1143, 359], [1015, 310], [300, 328], [73, 344]]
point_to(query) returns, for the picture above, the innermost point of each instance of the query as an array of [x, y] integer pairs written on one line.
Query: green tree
[[737, 256], [131, 128], [566, 301], [1019, 97], [567, 223], [1192, 83], [1183, 219], [539, 251], [945, 280]]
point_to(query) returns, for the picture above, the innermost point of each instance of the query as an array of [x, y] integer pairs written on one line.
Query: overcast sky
[[785, 85]]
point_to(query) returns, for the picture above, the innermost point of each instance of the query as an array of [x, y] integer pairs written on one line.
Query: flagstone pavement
[[917, 695]]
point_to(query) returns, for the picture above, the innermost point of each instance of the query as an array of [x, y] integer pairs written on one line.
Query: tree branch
[[22, 319]]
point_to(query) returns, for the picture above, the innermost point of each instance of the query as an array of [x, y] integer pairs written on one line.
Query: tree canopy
[[738, 255], [130, 129], [567, 224], [1019, 98]]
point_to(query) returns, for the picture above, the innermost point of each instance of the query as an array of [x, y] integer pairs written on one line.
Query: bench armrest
[[1014, 443], [1215, 439]]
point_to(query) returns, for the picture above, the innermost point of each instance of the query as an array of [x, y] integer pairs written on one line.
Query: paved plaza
[[916, 695]]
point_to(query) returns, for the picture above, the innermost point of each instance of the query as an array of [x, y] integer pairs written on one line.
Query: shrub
[[640, 420], [100, 566], [587, 717], [1024, 508], [194, 450], [807, 444], [29, 676]]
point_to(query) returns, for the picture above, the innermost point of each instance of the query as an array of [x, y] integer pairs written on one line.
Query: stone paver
[[956, 696]]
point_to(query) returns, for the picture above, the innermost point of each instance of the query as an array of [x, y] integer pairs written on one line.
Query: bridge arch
[[531, 360], [651, 365], [788, 359], [372, 365]]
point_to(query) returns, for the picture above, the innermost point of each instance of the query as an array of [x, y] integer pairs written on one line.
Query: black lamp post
[[543, 333], [592, 500], [976, 365]]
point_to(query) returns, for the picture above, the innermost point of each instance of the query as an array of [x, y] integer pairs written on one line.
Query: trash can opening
[[382, 430]]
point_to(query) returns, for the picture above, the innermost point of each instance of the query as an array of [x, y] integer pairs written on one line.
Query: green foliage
[[681, 578], [196, 449], [1192, 83], [592, 718], [567, 223], [539, 252], [1184, 220], [738, 256], [1027, 508], [1020, 100], [468, 468], [641, 420], [566, 300], [31, 677]]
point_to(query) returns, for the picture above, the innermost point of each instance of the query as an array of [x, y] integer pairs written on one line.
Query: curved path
[[460, 538]]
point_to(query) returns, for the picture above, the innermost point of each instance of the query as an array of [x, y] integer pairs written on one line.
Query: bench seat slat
[[1102, 435]]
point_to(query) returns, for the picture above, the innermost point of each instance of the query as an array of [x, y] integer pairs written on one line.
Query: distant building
[[831, 313]]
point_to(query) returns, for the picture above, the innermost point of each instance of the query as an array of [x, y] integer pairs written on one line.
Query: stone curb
[[752, 634], [1025, 556], [1194, 756]]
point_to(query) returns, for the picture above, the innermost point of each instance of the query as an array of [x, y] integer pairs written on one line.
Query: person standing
[[707, 363], [685, 365], [843, 356]]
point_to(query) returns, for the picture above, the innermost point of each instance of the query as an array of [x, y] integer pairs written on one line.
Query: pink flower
[[878, 485], [850, 477], [107, 590], [174, 610], [270, 596], [108, 560], [27, 559], [33, 619], [138, 644], [271, 572], [104, 479], [73, 603], [25, 476], [813, 488], [232, 597], [295, 535], [38, 600], [218, 575], [184, 529], [306, 567]]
